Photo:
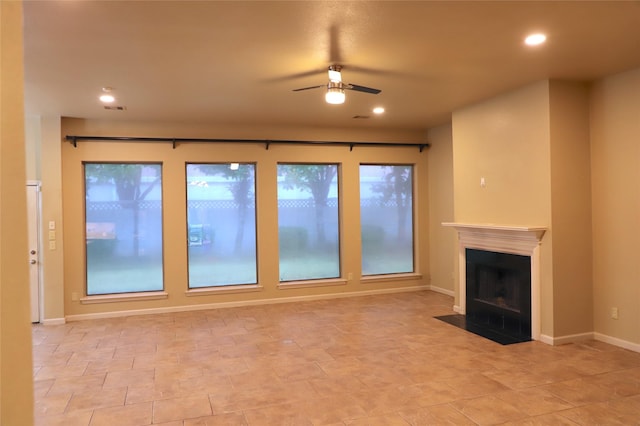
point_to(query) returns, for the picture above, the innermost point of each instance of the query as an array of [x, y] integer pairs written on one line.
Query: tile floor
[[374, 360]]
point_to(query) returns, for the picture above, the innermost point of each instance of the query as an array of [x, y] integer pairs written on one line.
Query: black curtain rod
[[75, 139]]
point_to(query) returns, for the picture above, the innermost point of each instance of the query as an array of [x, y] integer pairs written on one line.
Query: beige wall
[[442, 242], [571, 208], [174, 195], [33, 136], [506, 141], [615, 175], [16, 385]]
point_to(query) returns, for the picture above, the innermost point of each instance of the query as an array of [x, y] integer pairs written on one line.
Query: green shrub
[[293, 239], [372, 236]]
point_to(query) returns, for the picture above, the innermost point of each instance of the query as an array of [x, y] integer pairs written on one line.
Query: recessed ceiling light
[[535, 39], [378, 110], [107, 97]]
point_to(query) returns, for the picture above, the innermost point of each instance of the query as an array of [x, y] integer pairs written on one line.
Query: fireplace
[[498, 292], [498, 302]]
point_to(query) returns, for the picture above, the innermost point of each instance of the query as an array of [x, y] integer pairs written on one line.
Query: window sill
[[205, 291], [371, 279], [124, 297], [312, 283]]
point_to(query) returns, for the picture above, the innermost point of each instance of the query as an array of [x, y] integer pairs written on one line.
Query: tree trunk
[[136, 225], [401, 207], [402, 217], [242, 218], [322, 237], [240, 191]]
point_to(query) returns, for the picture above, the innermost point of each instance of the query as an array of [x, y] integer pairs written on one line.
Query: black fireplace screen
[[498, 290]]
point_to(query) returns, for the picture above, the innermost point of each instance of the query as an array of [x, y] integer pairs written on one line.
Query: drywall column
[[523, 159], [571, 211], [53, 260], [442, 242], [501, 172], [16, 383]]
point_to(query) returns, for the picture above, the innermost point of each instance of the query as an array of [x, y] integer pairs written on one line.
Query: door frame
[[34, 208]]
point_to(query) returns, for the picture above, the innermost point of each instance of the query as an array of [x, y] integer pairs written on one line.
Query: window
[[123, 215], [221, 224], [386, 217], [308, 230]]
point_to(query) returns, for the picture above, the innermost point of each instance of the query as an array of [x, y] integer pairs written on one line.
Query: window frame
[[231, 287], [123, 295], [414, 260], [321, 281]]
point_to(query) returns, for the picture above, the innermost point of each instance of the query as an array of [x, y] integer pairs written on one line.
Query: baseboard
[[458, 309], [576, 338], [617, 342], [545, 339], [563, 340], [441, 290], [221, 305], [53, 321]]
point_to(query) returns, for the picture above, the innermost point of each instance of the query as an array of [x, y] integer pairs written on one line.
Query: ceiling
[[237, 62]]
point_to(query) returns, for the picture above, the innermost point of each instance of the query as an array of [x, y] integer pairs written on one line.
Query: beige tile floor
[[374, 360]]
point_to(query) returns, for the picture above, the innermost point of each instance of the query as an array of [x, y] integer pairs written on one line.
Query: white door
[[33, 219]]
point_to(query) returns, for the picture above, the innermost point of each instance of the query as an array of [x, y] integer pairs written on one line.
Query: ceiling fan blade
[[307, 88], [365, 89]]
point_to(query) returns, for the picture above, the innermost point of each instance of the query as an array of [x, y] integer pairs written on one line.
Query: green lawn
[[124, 276], [132, 275]]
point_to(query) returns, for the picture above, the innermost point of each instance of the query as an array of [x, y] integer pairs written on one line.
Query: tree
[[241, 188], [397, 185], [127, 179], [315, 179]]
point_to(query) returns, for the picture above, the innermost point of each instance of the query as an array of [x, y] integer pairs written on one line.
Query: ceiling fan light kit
[[335, 94]]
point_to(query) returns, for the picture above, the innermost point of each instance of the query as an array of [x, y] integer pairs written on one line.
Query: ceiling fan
[[335, 88]]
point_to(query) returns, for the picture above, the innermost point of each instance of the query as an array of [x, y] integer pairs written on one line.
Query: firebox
[[498, 292]]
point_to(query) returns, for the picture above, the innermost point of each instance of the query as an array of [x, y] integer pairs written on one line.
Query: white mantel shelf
[[535, 231]]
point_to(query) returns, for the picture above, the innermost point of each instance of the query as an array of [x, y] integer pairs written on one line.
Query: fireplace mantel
[[538, 230], [506, 239], [522, 240]]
